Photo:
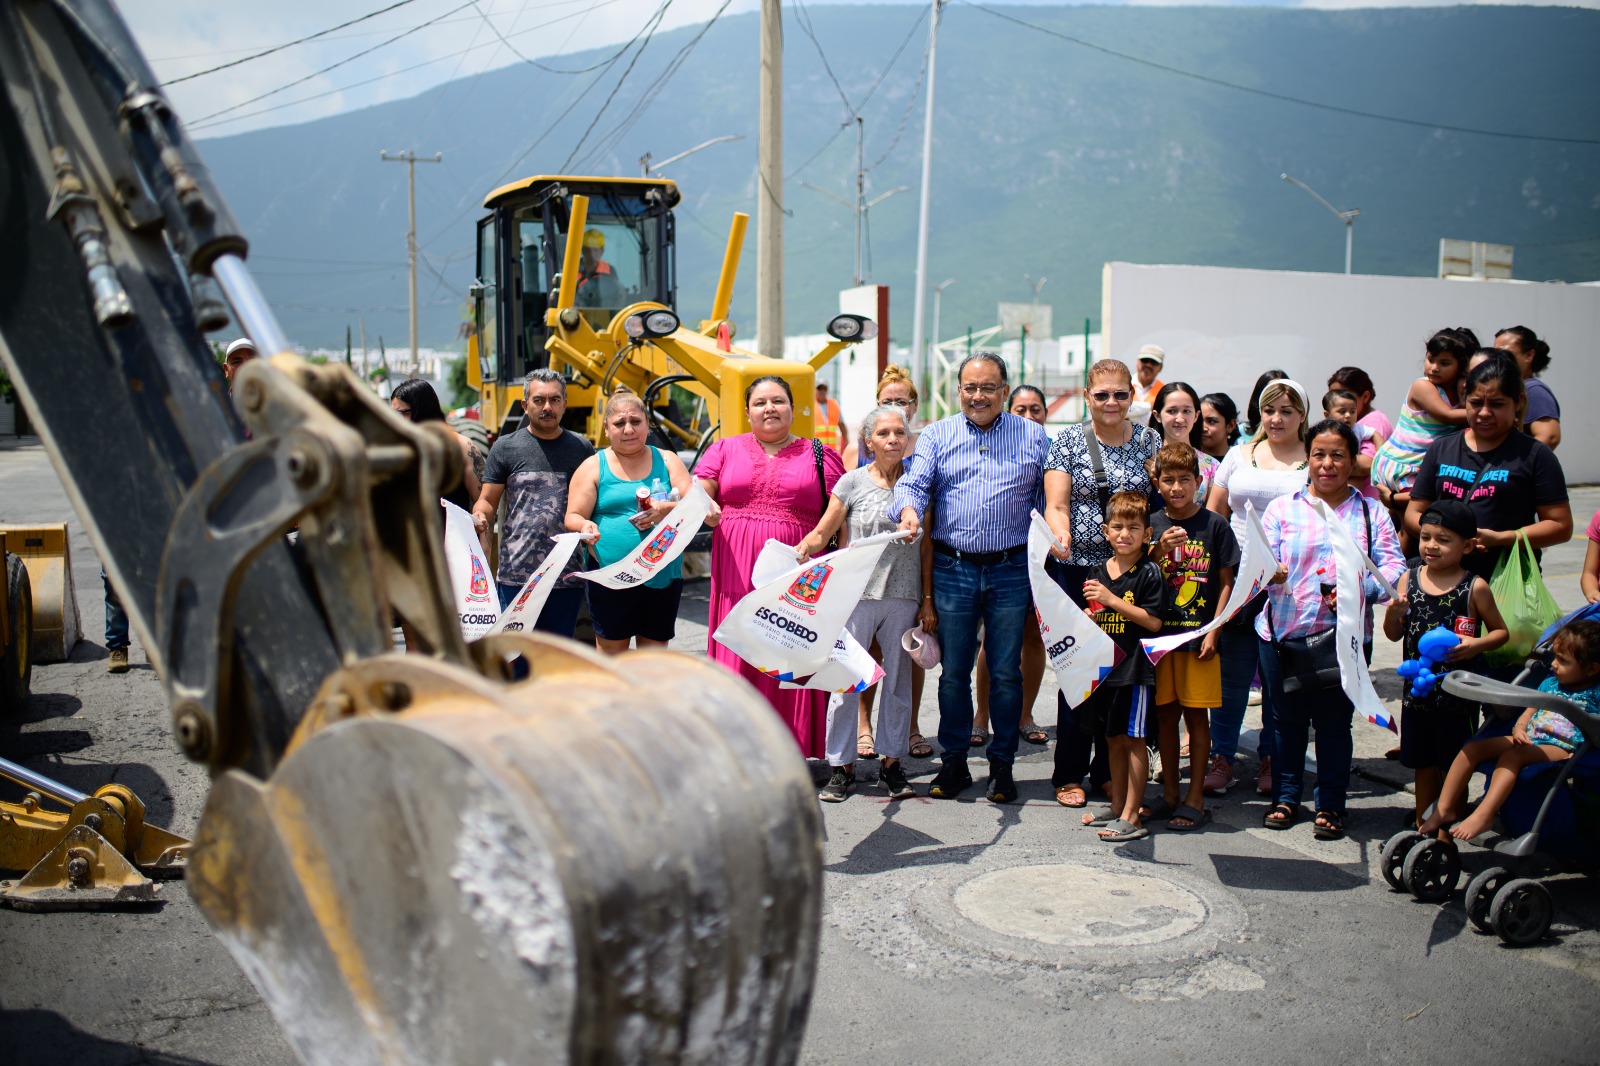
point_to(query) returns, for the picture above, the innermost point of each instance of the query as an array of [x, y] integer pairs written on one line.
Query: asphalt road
[[953, 932]]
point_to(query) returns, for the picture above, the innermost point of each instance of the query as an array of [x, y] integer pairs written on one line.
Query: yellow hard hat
[[593, 238]]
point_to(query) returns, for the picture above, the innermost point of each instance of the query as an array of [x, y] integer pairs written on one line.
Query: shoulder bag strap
[[822, 479], [1097, 463]]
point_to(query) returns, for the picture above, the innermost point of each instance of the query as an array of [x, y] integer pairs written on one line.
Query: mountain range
[[1064, 137]]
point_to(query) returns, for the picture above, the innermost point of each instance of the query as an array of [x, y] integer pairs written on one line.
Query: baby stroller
[[1554, 808]]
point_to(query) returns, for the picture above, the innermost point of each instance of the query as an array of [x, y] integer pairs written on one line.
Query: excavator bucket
[[615, 860], [43, 550]]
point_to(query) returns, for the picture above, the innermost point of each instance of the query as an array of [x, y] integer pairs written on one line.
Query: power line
[[1269, 94], [334, 66], [803, 19], [650, 31], [852, 117], [290, 44]]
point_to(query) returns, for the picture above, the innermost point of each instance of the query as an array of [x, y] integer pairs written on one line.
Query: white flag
[[850, 668], [1256, 567], [787, 627], [477, 603], [1079, 651], [660, 549], [523, 612], [1350, 615]]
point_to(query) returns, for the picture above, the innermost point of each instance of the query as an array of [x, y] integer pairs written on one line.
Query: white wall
[[1221, 327]]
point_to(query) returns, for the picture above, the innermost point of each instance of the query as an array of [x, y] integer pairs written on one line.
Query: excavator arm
[[459, 855]]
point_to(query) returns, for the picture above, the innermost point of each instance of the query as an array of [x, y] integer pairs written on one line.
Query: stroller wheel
[[1521, 912], [1431, 870], [1480, 893], [1393, 857]]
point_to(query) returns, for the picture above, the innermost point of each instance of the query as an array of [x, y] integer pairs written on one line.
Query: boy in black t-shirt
[[1198, 556], [1125, 595]]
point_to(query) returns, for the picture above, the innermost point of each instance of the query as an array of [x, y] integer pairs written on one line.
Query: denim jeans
[[560, 614], [1077, 751], [997, 597], [1241, 653], [116, 617], [1326, 710]]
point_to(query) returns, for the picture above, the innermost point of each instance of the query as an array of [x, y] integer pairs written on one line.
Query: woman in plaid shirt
[[1301, 604]]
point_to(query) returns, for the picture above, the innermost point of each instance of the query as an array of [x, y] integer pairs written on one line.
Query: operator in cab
[[597, 282]]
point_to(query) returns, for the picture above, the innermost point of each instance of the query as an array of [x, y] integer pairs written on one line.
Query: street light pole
[[1347, 217], [918, 343], [1035, 303], [646, 166]]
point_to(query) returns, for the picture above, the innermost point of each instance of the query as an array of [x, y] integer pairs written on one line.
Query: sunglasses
[[1121, 396]]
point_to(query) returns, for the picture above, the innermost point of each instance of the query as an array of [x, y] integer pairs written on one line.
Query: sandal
[[978, 739], [1072, 796], [920, 748], [1120, 831], [1100, 816], [1196, 817], [1328, 826], [1034, 735], [864, 748], [1157, 811], [1286, 816]]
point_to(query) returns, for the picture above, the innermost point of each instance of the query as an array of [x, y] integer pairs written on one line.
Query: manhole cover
[[1080, 906], [1075, 908]]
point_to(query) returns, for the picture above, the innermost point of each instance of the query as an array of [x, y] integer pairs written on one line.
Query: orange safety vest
[[828, 424]]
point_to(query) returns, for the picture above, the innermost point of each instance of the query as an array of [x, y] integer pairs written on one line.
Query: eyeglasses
[[980, 390], [1121, 396], [895, 403]]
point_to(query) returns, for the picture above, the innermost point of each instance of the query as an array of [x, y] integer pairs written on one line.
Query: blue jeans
[[997, 596], [560, 614], [116, 617], [1240, 653], [1077, 751], [1326, 710]]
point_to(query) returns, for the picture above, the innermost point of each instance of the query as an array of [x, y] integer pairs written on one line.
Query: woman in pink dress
[[768, 486]]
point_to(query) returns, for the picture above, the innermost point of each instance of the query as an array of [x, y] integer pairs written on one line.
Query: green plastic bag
[[1524, 602]]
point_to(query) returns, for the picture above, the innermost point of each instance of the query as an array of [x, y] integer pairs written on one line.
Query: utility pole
[[769, 171], [1347, 217], [411, 159], [918, 341]]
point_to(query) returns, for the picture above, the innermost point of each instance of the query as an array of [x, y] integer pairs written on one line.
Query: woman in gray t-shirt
[[887, 609]]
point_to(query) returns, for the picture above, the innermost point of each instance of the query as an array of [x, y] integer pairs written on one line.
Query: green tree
[[459, 393]]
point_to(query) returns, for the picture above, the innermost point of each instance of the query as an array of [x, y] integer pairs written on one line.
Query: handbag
[[822, 487]]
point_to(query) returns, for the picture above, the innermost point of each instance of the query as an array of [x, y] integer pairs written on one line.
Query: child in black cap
[[1441, 592]]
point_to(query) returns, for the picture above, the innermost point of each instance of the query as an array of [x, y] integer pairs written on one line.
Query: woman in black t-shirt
[[1511, 481]]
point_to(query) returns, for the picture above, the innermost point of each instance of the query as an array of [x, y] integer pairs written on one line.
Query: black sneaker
[[840, 785], [1002, 789], [952, 780], [893, 779]]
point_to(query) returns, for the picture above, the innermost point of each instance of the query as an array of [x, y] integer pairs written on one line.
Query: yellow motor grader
[[579, 274]]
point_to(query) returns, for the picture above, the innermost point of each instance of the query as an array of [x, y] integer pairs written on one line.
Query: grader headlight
[[852, 328], [651, 324]]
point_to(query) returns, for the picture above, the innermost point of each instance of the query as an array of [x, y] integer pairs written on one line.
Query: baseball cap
[[922, 647], [1155, 353], [1453, 515], [240, 345]]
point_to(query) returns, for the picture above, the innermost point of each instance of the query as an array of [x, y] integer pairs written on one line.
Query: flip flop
[[1196, 819], [1156, 811], [1122, 830], [1100, 816], [920, 748], [1036, 736], [864, 748]]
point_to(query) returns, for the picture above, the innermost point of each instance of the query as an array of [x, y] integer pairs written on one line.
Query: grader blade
[[613, 861]]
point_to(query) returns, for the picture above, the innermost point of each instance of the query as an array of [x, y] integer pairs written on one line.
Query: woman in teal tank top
[[603, 499]]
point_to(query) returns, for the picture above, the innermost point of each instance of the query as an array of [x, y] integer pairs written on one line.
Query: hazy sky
[[183, 37]]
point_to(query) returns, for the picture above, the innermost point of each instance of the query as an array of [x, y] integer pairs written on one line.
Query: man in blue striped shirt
[[982, 472]]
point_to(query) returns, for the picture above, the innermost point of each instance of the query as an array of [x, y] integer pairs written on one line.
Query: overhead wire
[[650, 28], [1269, 94], [332, 66], [288, 44]]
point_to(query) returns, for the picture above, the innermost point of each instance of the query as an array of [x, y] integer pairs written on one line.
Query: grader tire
[[16, 658]]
